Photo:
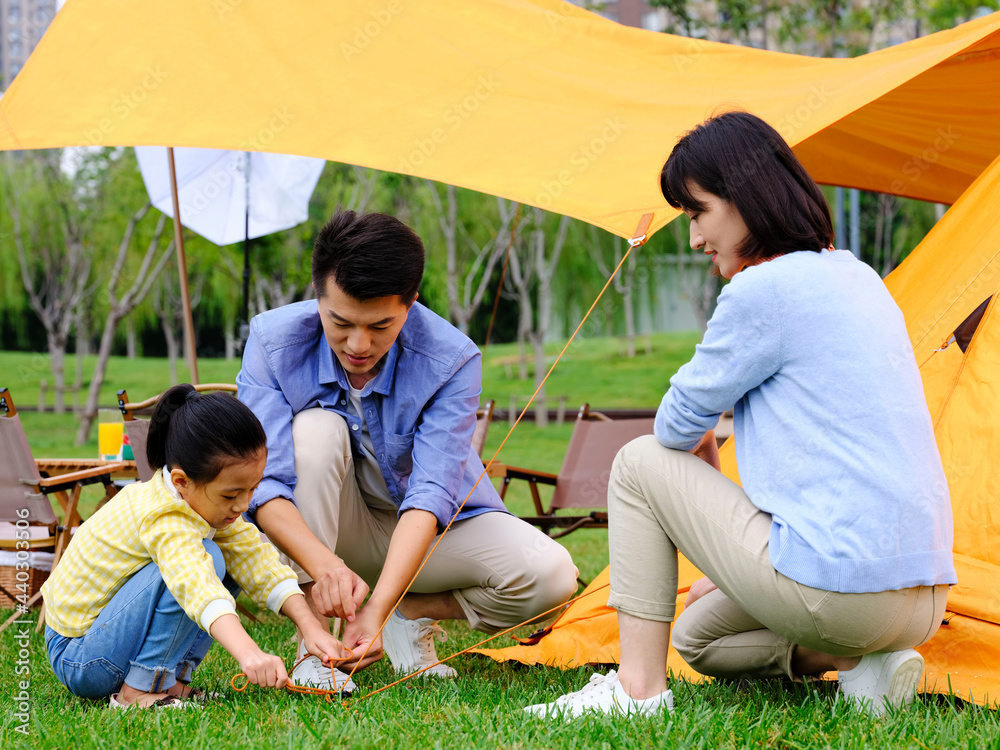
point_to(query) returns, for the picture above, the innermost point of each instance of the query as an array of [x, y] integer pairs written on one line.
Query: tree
[[469, 262], [153, 261], [532, 267], [166, 304], [54, 259], [623, 280]]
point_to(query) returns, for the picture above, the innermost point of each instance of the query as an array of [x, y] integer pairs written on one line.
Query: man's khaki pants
[[662, 500], [501, 570]]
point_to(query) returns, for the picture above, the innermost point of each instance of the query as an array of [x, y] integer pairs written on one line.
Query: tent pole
[[192, 358], [245, 323]]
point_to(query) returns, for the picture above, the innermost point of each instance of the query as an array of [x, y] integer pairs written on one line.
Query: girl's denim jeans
[[141, 638]]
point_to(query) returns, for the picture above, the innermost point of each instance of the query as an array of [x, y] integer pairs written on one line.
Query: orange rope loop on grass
[[638, 239], [329, 694]]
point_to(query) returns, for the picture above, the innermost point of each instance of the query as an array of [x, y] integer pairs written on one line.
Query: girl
[[835, 554], [149, 580]]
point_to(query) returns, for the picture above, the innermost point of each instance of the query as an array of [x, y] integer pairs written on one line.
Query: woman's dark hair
[[200, 433], [743, 160], [368, 256]]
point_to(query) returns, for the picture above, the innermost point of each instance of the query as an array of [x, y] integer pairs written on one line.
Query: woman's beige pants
[[662, 500]]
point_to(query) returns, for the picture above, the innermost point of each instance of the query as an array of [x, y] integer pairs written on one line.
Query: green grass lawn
[[481, 709]]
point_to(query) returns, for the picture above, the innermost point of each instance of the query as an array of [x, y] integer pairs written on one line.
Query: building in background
[[22, 23]]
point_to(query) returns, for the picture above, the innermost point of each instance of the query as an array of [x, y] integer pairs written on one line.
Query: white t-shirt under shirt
[[369, 475]]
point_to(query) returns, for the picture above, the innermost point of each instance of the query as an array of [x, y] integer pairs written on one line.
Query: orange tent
[[940, 287], [533, 100]]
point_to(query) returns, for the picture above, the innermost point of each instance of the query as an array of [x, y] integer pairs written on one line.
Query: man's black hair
[[368, 256]]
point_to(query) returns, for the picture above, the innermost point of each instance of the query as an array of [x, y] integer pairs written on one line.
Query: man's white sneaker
[[880, 680], [603, 694], [310, 672], [410, 645]]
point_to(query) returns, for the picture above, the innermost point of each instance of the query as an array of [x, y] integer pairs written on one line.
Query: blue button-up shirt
[[420, 409]]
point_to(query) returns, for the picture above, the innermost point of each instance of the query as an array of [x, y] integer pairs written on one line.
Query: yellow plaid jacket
[[147, 523]]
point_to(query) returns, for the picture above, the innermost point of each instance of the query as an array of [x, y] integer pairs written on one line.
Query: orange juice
[[109, 440]]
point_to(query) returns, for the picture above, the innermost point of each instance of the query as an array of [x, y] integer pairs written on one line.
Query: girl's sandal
[[199, 696], [169, 701]]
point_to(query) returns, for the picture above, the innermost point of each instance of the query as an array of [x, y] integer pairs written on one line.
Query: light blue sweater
[[833, 436]]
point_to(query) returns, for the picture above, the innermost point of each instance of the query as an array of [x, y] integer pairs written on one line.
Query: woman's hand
[[698, 589], [708, 450]]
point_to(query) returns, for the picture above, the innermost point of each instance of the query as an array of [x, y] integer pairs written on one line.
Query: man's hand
[[708, 450], [360, 633], [698, 589], [320, 643], [407, 547], [339, 592]]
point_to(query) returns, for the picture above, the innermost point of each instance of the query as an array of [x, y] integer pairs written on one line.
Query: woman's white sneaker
[[409, 645], [881, 680], [603, 694]]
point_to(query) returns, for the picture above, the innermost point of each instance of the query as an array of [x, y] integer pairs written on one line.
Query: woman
[[835, 554]]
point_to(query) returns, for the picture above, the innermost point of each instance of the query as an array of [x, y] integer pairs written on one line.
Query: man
[[368, 400]]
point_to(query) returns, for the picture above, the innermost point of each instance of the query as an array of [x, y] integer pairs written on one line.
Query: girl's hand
[[323, 645], [264, 669]]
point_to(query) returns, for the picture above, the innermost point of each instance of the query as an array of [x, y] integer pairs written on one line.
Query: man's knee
[[319, 437], [215, 552], [555, 575]]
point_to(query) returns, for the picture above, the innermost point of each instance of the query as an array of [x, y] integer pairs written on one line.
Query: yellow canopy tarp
[[947, 277], [534, 100]]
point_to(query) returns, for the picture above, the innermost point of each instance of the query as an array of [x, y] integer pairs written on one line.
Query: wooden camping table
[[55, 467]]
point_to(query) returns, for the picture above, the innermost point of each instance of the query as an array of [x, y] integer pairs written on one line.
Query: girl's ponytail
[[200, 433], [159, 425]]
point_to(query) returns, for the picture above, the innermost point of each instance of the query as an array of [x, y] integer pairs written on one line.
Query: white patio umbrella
[[215, 198]]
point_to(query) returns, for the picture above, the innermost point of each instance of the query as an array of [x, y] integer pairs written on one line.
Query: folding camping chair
[[24, 498], [582, 482], [483, 416]]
